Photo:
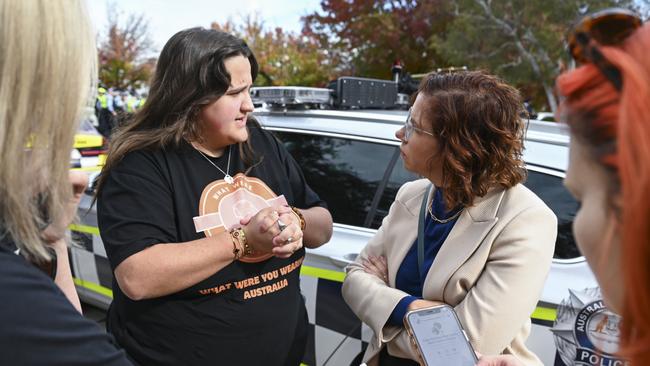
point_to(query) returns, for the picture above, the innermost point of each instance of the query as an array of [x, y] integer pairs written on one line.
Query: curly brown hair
[[477, 118]]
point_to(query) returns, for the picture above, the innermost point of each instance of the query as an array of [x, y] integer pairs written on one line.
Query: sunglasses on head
[[609, 27]]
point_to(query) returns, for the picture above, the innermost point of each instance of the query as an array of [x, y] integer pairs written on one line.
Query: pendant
[[228, 179]]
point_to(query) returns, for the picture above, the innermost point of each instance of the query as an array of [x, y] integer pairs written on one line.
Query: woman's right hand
[[500, 360], [263, 227], [260, 229]]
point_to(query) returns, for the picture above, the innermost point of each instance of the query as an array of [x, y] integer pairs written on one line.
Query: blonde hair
[[47, 73]]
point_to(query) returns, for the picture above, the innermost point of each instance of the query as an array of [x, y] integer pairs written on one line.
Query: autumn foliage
[[125, 59], [520, 40], [284, 58], [369, 36]]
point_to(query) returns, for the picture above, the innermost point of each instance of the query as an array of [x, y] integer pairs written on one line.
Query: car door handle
[[343, 261]]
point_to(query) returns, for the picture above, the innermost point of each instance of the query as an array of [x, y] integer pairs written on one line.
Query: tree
[[521, 40], [123, 53], [284, 58], [643, 7], [368, 36]]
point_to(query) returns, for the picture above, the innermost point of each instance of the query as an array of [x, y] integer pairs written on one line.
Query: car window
[[86, 127], [551, 190], [397, 178], [345, 173]]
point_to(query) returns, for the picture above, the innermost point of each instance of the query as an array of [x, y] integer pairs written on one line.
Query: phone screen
[[440, 337]]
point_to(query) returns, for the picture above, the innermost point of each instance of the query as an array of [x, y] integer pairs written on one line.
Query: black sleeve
[[41, 327], [135, 207], [304, 196]]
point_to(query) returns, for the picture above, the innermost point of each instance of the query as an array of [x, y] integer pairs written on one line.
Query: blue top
[[408, 279]]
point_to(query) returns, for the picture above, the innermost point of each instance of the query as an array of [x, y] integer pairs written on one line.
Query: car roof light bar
[[291, 95]]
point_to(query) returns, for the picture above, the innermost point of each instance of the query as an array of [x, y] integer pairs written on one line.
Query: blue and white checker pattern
[[331, 321]]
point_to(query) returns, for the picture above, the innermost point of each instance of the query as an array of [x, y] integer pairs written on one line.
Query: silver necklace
[[226, 176], [442, 221]]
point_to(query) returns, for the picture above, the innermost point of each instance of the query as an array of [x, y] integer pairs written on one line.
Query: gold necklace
[[442, 221]]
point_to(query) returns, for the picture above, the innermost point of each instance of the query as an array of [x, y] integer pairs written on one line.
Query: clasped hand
[[274, 231]]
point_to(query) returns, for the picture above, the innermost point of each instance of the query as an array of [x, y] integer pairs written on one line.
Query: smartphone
[[439, 337]]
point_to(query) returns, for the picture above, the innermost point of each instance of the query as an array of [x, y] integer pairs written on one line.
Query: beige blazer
[[491, 269]]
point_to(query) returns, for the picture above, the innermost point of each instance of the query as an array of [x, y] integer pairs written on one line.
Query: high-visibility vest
[[130, 104], [103, 101]]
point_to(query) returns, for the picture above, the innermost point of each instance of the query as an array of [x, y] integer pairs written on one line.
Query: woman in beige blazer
[[488, 240]]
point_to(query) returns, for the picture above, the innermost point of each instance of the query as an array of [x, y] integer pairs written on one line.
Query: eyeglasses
[[609, 27], [409, 128]]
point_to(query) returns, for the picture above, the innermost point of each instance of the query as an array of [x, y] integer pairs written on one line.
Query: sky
[[166, 17]]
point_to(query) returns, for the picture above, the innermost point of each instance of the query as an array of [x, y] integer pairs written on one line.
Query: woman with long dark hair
[[204, 217]]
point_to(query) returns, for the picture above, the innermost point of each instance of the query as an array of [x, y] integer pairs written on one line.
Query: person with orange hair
[[607, 108]]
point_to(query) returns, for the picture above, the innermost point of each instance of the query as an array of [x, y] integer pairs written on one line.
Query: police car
[[350, 157], [89, 150]]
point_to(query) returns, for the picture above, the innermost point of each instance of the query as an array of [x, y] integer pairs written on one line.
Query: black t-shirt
[[39, 326], [244, 314]]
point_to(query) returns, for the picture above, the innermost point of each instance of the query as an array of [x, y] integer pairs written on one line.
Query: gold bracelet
[[240, 235], [236, 250], [301, 218]]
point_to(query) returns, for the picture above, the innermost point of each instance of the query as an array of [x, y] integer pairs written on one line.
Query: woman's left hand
[[289, 240], [500, 360], [376, 266], [291, 230]]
